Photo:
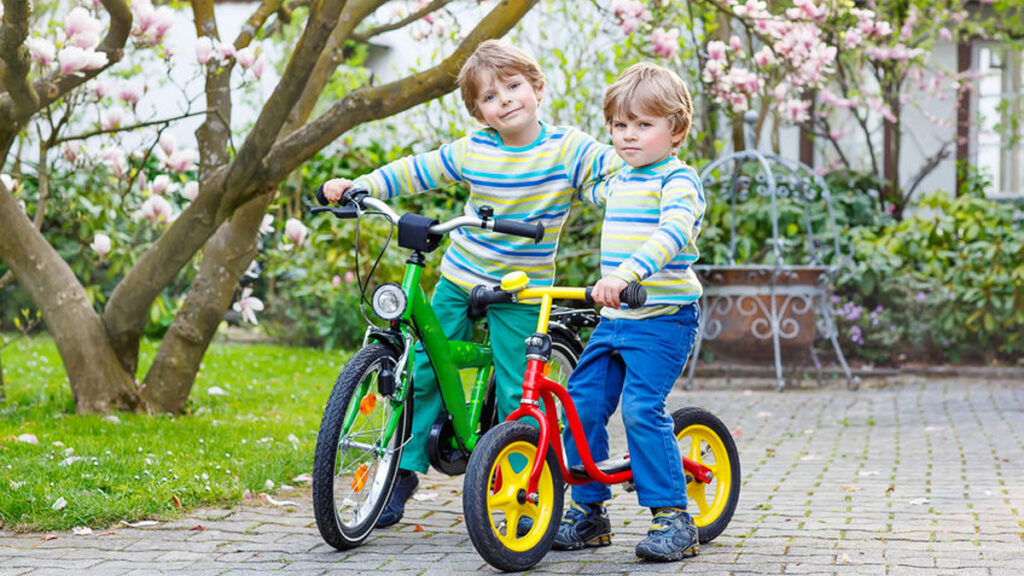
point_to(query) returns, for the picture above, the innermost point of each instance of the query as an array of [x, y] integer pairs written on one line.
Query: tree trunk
[[225, 258], [98, 381]]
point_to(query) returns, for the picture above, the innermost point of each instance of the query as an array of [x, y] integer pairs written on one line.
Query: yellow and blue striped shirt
[[533, 183], [652, 218]]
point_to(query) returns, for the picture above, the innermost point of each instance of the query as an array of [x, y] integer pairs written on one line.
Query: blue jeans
[[653, 353]]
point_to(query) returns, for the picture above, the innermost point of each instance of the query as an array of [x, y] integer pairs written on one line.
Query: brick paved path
[[913, 478]]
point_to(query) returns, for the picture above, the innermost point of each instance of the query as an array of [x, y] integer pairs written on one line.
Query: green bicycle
[[368, 415]]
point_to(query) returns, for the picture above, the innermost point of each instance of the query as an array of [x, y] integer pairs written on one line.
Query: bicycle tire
[[704, 438]]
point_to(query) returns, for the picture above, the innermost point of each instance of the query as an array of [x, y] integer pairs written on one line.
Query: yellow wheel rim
[[508, 483], [700, 444]]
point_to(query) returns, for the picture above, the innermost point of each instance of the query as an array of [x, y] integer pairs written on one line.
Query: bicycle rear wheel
[[356, 463]]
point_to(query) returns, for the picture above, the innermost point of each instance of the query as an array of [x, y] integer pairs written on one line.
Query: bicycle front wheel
[[356, 461], [511, 532]]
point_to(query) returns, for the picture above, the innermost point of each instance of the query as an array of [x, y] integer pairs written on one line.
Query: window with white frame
[[998, 147]]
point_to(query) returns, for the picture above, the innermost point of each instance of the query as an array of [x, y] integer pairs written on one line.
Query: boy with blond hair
[[653, 214], [526, 170]]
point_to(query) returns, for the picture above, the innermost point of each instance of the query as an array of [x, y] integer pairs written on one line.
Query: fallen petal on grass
[[81, 531], [216, 391], [28, 439], [60, 504], [303, 479]]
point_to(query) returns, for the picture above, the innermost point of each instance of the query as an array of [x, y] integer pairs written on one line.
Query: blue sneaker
[[671, 536], [582, 526], [405, 487]]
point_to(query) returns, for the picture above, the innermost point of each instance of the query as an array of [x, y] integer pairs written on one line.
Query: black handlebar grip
[[634, 295], [320, 198], [535, 231], [482, 296]]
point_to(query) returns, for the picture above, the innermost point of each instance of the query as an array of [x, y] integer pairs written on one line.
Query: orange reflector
[[359, 479], [368, 403], [547, 368]]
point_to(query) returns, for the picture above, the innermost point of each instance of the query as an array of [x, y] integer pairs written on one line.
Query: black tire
[[346, 463], [694, 425], [514, 445]]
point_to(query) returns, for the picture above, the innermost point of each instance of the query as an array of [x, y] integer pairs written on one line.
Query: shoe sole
[[655, 557], [603, 540]]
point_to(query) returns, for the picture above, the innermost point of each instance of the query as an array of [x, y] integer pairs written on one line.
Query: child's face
[[509, 105], [643, 140]]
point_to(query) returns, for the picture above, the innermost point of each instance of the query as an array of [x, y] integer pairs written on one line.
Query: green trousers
[[510, 325]]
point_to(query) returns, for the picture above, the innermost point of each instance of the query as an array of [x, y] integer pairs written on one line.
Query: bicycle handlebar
[[356, 199], [634, 295]]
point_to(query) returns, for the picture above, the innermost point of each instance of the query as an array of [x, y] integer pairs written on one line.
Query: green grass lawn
[[132, 467]]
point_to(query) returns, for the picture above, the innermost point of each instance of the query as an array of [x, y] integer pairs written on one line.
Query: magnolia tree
[[60, 71], [843, 71]]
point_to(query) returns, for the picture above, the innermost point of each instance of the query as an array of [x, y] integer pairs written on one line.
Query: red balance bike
[[518, 471]]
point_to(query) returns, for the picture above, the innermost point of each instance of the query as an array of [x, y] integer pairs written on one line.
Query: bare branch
[[374, 102], [429, 8], [100, 132], [930, 164], [256, 21]]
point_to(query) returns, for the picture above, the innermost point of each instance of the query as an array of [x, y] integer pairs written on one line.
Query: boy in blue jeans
[[526, 170], [653, 214]]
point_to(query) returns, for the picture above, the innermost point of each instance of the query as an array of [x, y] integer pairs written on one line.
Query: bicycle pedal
[[609, 466], [629, 486]]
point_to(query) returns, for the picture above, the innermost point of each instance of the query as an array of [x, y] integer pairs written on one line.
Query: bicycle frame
[[447, 357], [538, 388]]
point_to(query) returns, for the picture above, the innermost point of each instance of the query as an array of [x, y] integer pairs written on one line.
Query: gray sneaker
[[582, 526], [671, 536]]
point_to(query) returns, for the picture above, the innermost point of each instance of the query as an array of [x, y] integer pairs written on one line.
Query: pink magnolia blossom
[[130, 92], [744, 80], [665, 42], [72, 151], [180, 160], [190, 190], [73, 59], [736, 44], [853, 38], [336, 281], [115, 161], [795, 110], [204, 50], [248, 305], [258, 67], [100, 88], [42, 51], [151, 25], [245, 57], [350, 277], [166, 143], [630, 14], [295, 231], [223, 50], [81, 29], [440, 28], [101, 245], [111, 118], [764, 57], [267, 226], [945, 34], [156, 209], [717, 50], [162, 184]]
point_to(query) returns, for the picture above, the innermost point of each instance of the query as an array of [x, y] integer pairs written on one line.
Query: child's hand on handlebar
[[606, 291], [335, 188]]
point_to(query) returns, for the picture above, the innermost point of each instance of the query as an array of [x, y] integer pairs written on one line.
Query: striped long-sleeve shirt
[[652, 218], [533, 183]]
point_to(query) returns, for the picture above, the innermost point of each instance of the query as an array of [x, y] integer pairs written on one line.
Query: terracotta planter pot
[[738, 311]]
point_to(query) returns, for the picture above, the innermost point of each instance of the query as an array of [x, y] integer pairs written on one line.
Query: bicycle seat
[[610, 466]]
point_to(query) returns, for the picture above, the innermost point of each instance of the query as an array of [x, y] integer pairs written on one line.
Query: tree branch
[[22, 98], [374, 102], [255, 22], [364, 37], [930, 164]]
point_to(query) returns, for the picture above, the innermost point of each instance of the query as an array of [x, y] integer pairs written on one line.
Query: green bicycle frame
[[447, 357]]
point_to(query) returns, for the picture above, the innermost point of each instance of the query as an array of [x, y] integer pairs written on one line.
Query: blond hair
[[501, 59], [647, 88]]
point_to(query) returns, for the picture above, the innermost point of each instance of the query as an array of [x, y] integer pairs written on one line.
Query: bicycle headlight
[[388, 301]]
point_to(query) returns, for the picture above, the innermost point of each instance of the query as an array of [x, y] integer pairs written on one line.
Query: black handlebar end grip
[[320, 196], [522, 229], [634, 295], [589, 298]]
